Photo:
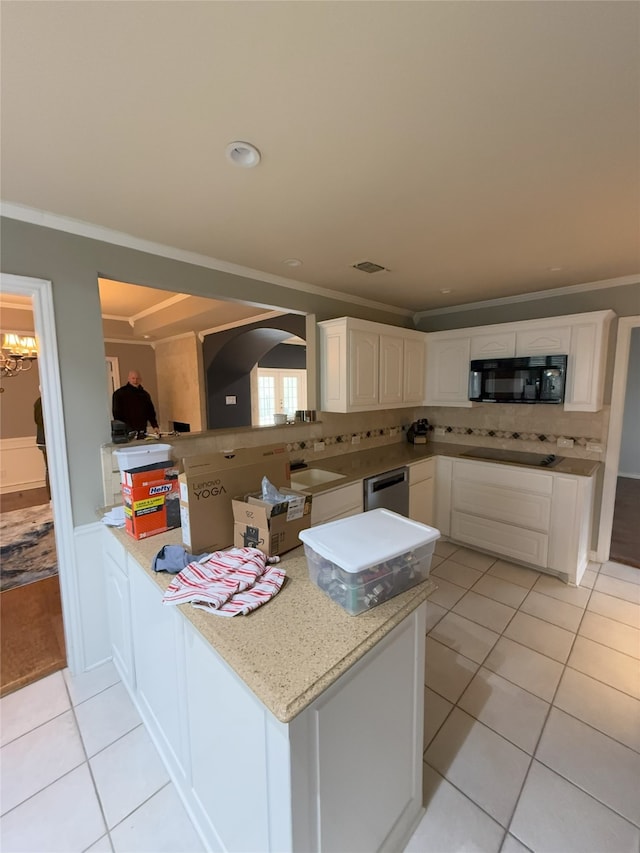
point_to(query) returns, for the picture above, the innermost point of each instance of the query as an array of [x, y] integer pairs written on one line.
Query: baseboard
[[630, 476]]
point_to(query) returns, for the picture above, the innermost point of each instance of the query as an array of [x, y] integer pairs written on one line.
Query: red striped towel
[[215, 582]]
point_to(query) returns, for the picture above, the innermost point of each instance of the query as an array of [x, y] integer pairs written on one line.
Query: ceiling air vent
[[368, 266]]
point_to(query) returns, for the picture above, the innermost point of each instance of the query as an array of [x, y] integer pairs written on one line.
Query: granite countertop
[[366, 463], [298, 644]]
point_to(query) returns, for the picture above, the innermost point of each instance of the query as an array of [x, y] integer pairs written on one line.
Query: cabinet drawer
[[340, 502], [419, 471], [526, 546], [510, 476], [513, 507]]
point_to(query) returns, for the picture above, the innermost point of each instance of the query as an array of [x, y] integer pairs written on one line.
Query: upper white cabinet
[[493, 345], [448, 369], [543, 339], [367, 366], [581, 337]]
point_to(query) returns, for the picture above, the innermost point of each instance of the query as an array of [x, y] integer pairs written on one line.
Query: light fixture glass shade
[[17, 354]]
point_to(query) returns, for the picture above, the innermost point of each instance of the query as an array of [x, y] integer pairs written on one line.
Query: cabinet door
[[391, 369], [543, 340], [158, 642], [448, 372], [583, 392], [364, 350], [414, 367], [497, 345], [421, 501], [119, 614]]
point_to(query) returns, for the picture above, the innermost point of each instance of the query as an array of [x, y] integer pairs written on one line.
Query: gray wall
[[630, 447], [73, 265], [624, 300]]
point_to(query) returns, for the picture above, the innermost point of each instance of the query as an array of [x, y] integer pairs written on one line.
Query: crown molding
[[528, 297], [80, 228]]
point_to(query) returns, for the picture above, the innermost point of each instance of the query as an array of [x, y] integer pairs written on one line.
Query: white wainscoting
[[21, 465]]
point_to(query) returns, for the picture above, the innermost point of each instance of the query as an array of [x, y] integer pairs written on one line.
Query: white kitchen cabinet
[[414, 370], [364, 358], [367, 366], [119, 609], [543, 338], [338, 503], [541, 519], [587, 362], [391, 380], [158, 643], [581, 337], [421, 491], [493, 345], [448, 360], [254, 783]]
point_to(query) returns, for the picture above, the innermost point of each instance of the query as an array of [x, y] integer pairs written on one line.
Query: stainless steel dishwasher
[[389, 491]]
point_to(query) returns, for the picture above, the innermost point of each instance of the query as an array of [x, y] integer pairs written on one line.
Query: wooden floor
[[31, 633], [625, 537]]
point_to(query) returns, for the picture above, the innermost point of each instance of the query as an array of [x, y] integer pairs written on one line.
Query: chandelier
[[17, 354]]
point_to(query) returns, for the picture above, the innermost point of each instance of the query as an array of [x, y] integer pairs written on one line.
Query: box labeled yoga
[[209, 483]]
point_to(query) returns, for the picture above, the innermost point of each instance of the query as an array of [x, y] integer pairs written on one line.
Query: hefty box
[[151, 497], [209, 483], [273, 528]]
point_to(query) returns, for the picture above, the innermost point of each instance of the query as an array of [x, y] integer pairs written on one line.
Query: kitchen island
[[295, 728]]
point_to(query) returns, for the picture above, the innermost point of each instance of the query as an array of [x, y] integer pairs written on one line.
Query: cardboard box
[[151, 497], [273, 528], [210, 482]]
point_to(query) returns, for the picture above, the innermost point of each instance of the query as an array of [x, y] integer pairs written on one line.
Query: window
[[277, 390]]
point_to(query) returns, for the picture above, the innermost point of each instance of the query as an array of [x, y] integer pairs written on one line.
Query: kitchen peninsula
[[295, 728]]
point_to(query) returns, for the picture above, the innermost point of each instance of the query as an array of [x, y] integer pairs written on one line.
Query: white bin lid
[[361, 541], [136, 457]]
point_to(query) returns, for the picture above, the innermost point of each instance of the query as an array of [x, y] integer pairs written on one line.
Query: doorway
[[30, 605], [37, 293], [616, 536]]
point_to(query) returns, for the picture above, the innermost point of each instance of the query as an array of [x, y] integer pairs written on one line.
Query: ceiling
[[474, 150]]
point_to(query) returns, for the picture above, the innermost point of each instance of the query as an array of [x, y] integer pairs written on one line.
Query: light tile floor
[[532, 729]]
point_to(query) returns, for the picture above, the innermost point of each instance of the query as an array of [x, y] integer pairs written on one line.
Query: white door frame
[[614, 441], [41, 294]]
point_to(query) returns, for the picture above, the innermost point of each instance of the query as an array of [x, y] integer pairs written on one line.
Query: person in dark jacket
[[133, 405], [40, 440]]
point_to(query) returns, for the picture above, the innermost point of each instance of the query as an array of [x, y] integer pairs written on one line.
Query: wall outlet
[[565, 442], [439, 431], [355, 439], [594, 447], [318, 446]]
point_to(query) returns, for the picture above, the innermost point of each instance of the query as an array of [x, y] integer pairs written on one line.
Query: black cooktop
[[514, 457]]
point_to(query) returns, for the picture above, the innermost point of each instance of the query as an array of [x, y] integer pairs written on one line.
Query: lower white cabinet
[[538, 518], [119, 609], [344, 774], [338, 503], [158, 644], [421, 491]]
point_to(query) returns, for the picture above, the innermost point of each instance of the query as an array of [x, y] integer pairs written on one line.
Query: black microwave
[[532, 379]]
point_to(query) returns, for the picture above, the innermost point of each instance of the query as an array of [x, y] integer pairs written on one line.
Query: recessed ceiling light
[[445, 290], [555, 269], [243, 154], [292, 262]]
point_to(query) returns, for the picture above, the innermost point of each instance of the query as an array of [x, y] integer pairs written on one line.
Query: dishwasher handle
[[386, 482]]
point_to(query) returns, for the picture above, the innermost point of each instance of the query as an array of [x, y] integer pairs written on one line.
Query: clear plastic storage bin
[[142, 454], [368, 558]]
